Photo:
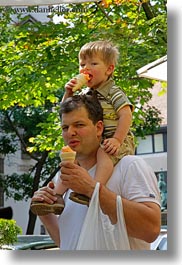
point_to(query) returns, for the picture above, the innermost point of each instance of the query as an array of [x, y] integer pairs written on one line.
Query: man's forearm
[[142, 219], [50, 222]]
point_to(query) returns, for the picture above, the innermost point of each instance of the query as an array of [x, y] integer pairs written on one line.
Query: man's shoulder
[[124, 164], [125, 168], [132, 161], [128, 159]]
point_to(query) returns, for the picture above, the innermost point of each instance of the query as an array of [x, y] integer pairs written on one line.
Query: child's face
[[97, 70]]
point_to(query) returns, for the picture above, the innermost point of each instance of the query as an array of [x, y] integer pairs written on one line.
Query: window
[[154, 143], [145, 145], [158, 143]]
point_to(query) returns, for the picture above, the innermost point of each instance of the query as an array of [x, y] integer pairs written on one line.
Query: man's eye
[[64, 129], [80, 125]]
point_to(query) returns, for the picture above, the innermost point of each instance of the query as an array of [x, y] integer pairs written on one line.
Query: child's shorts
[[127, 148]]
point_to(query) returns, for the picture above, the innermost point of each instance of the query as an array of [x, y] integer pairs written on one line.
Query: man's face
[[80, 133]]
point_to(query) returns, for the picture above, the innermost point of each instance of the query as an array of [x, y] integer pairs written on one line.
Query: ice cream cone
[[67, 154], [81, 81]]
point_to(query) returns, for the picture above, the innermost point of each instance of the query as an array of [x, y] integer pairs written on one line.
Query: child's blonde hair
[[107, 51]]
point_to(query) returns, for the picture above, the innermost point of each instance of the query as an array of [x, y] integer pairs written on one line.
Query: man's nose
[[71, 130]]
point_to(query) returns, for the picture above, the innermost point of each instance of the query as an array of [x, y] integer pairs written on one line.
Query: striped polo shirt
[[112, 99]]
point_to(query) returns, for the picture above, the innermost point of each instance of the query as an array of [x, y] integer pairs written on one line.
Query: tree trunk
[[31, 223], [39, 166]]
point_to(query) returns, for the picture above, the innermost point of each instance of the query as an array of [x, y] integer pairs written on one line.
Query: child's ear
[[110, 69]]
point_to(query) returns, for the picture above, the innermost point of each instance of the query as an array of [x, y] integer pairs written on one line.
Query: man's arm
[[51, 223], [47, 194], [142, 219]]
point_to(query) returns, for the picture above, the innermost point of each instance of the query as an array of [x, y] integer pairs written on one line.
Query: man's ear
[[110, 69], [100, 128]]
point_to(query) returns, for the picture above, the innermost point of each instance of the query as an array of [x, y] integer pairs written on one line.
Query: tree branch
[[51, 176], [105, 14], [147, 9]]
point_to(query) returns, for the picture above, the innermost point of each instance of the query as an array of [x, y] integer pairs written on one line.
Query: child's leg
[[104, 167], [60, 188]]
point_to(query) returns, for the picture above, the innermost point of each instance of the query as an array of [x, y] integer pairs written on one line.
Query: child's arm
[[68, 89], [111, 145], [75, 84]]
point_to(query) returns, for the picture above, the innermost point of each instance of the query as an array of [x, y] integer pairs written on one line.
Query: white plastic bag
[[98, 233]]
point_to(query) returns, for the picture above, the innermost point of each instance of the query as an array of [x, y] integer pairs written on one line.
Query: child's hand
[[111, 146], [69, 86]]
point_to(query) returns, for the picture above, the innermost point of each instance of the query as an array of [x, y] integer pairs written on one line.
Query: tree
[[38, 59]]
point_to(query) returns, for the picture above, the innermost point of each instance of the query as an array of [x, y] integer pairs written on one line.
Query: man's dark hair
[[90, 102]]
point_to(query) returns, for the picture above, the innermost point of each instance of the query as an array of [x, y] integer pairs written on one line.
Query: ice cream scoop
[[67, 154], [81, 81]]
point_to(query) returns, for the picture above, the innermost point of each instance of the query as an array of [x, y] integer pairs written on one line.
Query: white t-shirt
[[132, 179]]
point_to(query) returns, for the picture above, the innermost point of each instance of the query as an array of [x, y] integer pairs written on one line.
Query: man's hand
[[45, 194], [77, 178]]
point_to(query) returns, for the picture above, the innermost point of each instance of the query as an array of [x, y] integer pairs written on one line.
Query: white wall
[[21, 215], [14, 164], [158, 162]]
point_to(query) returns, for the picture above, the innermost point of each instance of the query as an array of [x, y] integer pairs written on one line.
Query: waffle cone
[[68, 156], [81, 81]]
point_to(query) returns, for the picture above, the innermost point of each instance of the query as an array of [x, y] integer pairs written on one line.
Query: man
[[132, 179]]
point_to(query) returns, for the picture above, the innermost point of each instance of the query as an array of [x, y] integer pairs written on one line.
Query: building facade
[[153, 148]]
